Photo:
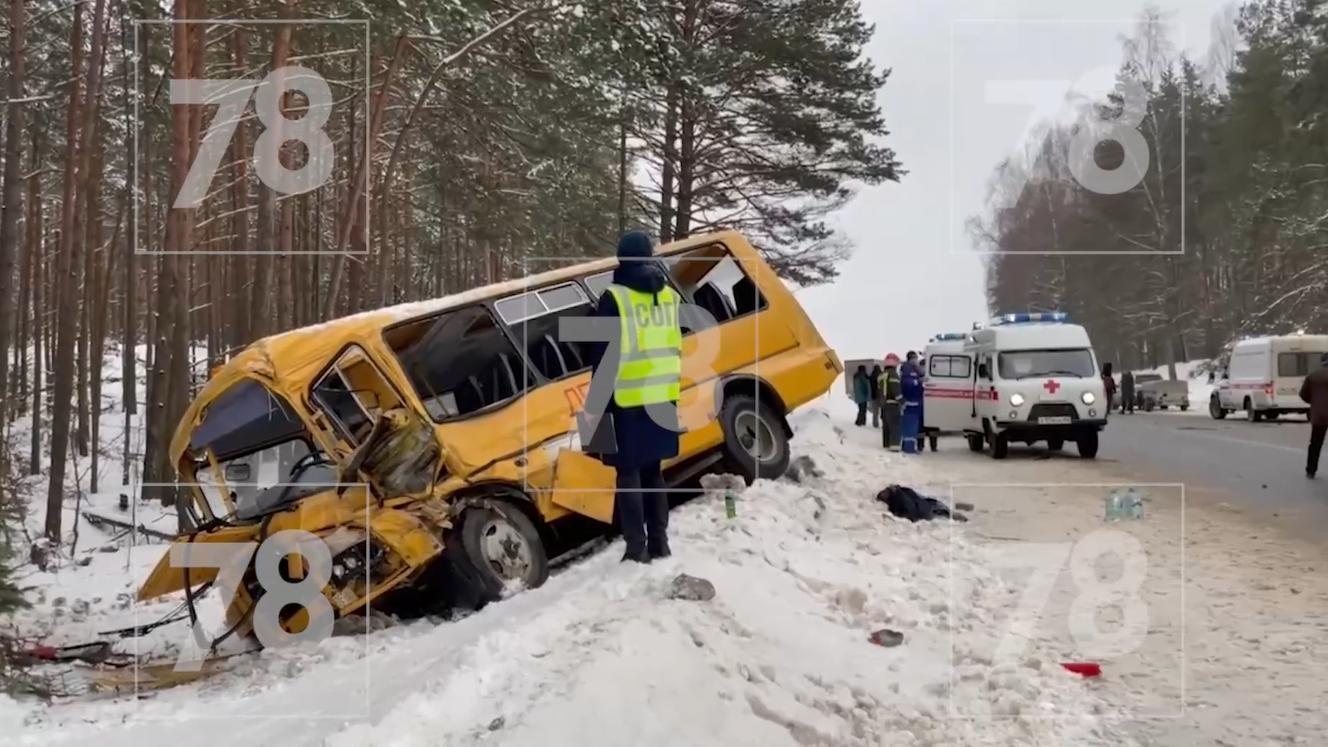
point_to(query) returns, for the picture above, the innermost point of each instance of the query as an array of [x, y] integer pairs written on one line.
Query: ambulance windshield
[[1022, 364]]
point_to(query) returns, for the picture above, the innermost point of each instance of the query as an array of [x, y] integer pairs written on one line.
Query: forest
[[1225, 234], [447, 144]]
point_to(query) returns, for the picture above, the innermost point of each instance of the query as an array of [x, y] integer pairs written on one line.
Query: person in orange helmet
[[889, 384]]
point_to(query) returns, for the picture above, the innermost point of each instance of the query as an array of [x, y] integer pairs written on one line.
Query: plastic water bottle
[[1124, 503], [1134, 505], [1113, 507]]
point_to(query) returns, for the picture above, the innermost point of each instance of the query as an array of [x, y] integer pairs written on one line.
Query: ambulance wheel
[[1055, 444], [1215, 409], [504, 548], [1088, 445], [754, 437], [975, 443], [1252, 414], [1000, 446]]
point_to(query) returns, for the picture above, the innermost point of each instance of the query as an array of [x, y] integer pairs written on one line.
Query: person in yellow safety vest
[[643, 409]]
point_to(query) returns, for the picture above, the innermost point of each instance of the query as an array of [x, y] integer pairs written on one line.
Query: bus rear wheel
[[755, 439]]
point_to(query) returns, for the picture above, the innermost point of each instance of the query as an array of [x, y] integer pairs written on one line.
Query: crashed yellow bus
[[432, 447]]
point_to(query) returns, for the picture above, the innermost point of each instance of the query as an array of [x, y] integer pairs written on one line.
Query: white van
[[1263, 375], [1024, 378]]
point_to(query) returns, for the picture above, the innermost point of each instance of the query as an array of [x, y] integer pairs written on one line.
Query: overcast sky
[[914, 272]]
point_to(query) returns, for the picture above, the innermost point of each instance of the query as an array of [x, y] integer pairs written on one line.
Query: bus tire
[[975, 443], [755, 439], [503, 547], [1000, 446], [1088, 445]]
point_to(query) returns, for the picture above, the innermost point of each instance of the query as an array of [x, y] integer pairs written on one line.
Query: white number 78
[[231, 97]]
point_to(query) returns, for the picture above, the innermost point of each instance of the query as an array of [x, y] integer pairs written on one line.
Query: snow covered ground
[[781, 656], [602, 656]]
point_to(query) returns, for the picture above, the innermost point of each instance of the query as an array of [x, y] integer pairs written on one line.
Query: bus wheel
[[975, 443], [1055, 444], [1088, 445], [503, 547], [1000, 446], [754, 438], [1215, 408]]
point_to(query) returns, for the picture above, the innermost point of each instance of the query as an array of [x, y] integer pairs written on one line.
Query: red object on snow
[[1085, 668], [41, 652]]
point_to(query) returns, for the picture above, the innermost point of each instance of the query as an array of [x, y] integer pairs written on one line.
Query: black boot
[[660, 550], [636, 556]]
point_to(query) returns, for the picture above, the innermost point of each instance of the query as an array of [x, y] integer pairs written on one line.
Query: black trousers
[[1317, 433], [890, 428], [862, 414], [641, 509]]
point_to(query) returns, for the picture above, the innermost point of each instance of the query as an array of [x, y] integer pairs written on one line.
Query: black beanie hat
[[635, 245]]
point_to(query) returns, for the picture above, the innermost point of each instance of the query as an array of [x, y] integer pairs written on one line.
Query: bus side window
[[533, 317], [459, 362], [712, 279]]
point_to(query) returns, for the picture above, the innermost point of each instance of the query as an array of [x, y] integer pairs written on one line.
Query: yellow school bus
[[433, 446]]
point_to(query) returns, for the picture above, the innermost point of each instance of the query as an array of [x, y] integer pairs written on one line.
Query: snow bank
[[601, 656]]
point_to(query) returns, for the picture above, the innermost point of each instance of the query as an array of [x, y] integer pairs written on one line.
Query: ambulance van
[[1023, 378], [1263, 376]]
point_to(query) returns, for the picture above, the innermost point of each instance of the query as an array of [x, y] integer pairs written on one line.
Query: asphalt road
[[1259, 466]]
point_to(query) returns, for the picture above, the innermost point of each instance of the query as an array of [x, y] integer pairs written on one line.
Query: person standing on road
[[1109, 384], [1127, 392], [910, 387], [644, 407], [874, 382], [861, 394], [1314, 390], [890, 400]]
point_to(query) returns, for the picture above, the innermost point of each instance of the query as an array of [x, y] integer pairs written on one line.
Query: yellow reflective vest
[[650, 362]]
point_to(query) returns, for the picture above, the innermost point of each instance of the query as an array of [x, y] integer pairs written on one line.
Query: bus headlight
[[1017, 399], [1088, 398]]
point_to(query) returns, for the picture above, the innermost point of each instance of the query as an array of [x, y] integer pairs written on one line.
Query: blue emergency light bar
[[1027, 317], [950, 336]]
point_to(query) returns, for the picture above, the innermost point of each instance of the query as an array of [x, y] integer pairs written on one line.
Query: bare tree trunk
[[260, 305], [128, 352], [9, 193], [35, 250], [670, 161], [90, 213], [65, 278]]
